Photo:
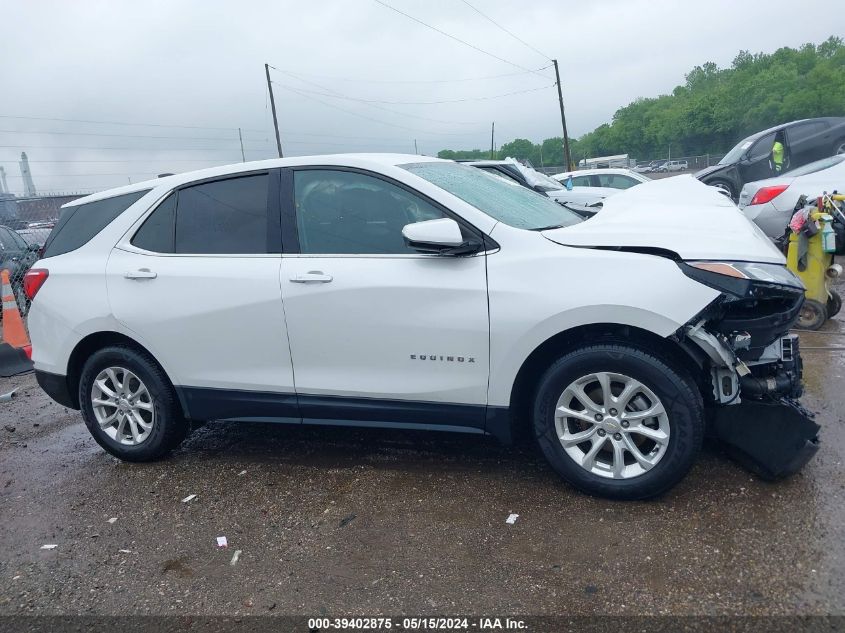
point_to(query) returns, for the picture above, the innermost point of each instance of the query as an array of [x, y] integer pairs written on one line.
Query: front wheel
[[617, 422], [724, 186], [812, 316], [129, 405]]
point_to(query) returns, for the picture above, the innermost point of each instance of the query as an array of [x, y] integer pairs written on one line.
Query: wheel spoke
[[112, 374], [133, 428], [635, 451], [618, 460], [108, 420], [120, 426], [653, 411], [606, 394], [586, 401], [658, 435], [631, 389], [97, 402], [589, 459], [565, 412], [145, 426], [101, 385], [146, 406], [573, 439]]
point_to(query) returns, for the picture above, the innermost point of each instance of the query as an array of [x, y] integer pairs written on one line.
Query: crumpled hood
[[709, 171], [678, 214]]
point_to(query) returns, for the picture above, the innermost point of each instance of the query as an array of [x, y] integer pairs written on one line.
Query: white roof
[[590, 172], [361, 160]]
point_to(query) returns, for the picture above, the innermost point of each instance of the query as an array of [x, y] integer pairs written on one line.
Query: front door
[[198, 283], [379, 332]]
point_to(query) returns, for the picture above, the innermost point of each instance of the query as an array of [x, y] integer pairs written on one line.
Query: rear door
[[197, 280], [379, 332], [808, 141]]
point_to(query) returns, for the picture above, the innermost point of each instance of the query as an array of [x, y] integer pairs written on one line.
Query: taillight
[[33, 280], [767, 194]]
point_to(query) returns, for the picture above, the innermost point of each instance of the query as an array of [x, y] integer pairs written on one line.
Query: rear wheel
[[812, 316], [834, 304], [617, 422], [839, 146], [129, 405]]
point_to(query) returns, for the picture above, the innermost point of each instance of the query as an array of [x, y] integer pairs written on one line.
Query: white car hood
[[678, 214]]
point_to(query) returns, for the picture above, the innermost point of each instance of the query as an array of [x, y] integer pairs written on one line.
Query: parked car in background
[[804, 141], [675, 165], [37, 236], [614, 178], [643, 169], [17, 256], [402, 291], [533, 179], [770, 202]]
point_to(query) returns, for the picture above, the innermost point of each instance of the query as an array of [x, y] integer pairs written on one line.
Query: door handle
[[312, 276], [141, 273]]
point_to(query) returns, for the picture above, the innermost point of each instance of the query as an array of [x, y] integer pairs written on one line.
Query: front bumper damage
[[755, 390]]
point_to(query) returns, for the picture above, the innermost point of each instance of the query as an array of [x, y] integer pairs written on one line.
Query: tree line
[[710, 112]]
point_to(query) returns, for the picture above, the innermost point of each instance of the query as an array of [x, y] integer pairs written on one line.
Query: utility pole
[[566, 155], [273, 107], [492, 139], [416, 151], [241, 138]]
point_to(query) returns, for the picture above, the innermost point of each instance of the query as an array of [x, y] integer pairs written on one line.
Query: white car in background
[[611, 177], [511, 169], [770, 203]]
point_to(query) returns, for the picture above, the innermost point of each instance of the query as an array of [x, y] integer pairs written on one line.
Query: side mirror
[[436, 236]]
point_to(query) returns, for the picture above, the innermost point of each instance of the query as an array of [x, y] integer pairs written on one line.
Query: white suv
[[409, 292]]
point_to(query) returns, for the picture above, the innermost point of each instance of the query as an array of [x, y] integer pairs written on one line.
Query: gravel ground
[[339, 521]]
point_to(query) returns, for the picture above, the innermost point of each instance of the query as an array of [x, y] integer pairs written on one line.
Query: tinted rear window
[[77, 225], [224, 216]]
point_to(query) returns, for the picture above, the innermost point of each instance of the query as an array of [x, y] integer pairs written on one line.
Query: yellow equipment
[[822, 301]]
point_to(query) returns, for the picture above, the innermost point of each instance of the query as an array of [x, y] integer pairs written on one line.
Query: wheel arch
[[93, 342], [684, 358]]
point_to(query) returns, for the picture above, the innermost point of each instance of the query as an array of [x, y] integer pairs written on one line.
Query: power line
[[412, 81], [137, 149], [341, 95], [514, 36], [193, 138], [357, 114], [187, 127], [487, 98], [457, 39]]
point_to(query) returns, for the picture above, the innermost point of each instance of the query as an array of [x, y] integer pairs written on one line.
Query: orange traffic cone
[[14, 333]]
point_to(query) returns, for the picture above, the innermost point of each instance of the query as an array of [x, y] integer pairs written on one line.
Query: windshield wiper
[[549, 228]]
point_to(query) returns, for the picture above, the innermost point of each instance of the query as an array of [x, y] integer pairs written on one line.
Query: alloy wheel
[[122, 406], [612, 425]]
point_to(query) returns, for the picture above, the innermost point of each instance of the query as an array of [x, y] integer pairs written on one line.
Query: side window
[[78, 224], [223, 217], [762, 148], [805, 131], [580, 181], [340, 212], [158, 230], [6, 242]]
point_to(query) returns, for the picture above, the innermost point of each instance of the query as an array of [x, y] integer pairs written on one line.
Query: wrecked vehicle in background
[[425, 294]]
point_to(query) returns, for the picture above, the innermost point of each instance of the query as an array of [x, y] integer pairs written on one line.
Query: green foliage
[[712, 110]]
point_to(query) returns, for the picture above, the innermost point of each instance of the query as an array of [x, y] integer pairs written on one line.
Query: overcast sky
[[200, 65]]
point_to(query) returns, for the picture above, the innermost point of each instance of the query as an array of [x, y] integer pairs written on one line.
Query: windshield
[[516, 206], [812, 168], [736, 153]]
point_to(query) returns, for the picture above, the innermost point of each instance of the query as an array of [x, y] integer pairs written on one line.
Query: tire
[[834, 304], [839, 146], [159, 409], [812, 316], [725, 185], [681, 423]]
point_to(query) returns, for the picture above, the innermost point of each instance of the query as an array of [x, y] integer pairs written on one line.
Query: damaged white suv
[[408, 292]]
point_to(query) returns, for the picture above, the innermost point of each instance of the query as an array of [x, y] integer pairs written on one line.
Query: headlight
[[739, 278]]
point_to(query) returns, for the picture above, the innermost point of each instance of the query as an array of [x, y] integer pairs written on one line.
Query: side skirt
[[201, 403]]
